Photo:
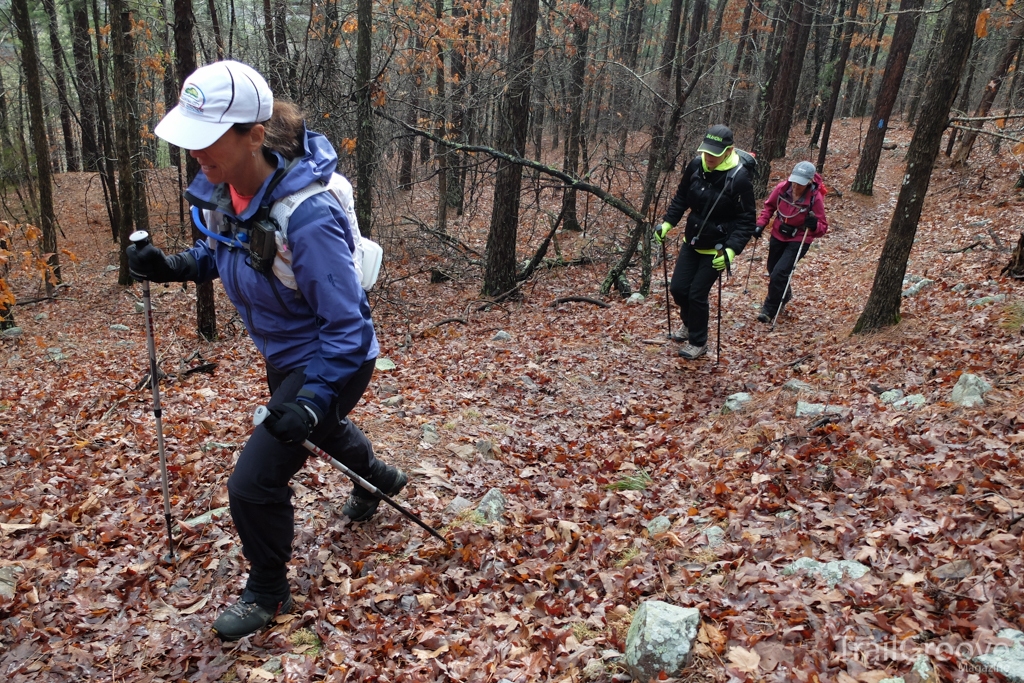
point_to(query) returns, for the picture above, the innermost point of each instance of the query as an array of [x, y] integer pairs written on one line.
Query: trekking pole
[[728, 269], [790, 278], [261, 415], [668, 306], [750, 267], [140, 238]]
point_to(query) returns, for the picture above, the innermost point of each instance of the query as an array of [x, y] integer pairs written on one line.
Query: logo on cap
[[712, 137], [192, 98]]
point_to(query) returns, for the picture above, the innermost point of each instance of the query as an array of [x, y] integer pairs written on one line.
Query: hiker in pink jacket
[[798, 208]]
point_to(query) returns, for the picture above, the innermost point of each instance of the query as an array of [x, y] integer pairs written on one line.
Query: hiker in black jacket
[[719, 193]]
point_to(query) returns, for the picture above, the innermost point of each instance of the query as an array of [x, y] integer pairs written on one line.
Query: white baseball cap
[[213, 98]]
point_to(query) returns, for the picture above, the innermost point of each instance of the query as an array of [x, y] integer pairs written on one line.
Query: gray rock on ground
[[833, 572], [492, 506], [660, 639], [1006, 660], [970, 391]]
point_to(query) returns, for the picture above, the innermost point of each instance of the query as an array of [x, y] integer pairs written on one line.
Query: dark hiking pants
[[258, 490], [782, 259], [691, 284]]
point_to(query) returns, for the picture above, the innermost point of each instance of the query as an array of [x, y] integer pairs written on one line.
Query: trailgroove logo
[[965, 654]]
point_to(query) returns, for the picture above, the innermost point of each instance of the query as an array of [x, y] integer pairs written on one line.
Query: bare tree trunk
[[366, 147], [500, 269], [37, 126], [782, 88], [215, 24], [574, 133], [995, 81], [734, 75], [185, 64], [895, 65], [883, 305], [837, 82], [921, 75], [862, 101], [276, 75], [84, 69], [625, 86], [125, 126], [965, 89], [440, 151], [108, 172], [60, 81], [405, 147]]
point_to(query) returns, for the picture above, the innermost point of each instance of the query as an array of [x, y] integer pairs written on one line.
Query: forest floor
[[587, 422]]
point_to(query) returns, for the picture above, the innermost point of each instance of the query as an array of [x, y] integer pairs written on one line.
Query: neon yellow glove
[[661, 232], [719, 261]]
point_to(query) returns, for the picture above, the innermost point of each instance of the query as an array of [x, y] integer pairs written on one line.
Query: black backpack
[[747, 161]]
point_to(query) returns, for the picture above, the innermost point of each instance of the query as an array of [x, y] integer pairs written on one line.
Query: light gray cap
[[803, 173]]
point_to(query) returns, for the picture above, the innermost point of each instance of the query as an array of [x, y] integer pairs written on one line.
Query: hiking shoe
[[362, 504], [763, 316], [245, 618], [691, 352], [680, 337]]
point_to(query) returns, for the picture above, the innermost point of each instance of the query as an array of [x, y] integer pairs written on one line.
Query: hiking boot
[[245, 618], [362, 504], [764, 316], [691, 352], [681, 336]]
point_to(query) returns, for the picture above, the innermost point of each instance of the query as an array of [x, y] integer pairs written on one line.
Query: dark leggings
[[782, 259], [691, 285], [258, 489]]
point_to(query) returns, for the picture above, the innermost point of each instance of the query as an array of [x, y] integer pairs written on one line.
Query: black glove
[[811, 222], [292, 422], [757, 232], [149, 263]]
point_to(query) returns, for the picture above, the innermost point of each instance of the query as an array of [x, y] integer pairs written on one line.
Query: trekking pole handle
[[140, 238], [719, 249]]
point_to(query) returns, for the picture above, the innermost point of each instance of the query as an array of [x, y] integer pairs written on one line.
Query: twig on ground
[[581, 299], [960, 251]]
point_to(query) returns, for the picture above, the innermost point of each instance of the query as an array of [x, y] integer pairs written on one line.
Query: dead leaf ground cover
[[576, 403]]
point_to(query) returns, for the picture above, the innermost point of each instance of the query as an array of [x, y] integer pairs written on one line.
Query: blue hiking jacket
[[325, 326]]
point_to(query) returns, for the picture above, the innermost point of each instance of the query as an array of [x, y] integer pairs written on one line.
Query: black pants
[[782, 259], [258, 490], [691, 284]]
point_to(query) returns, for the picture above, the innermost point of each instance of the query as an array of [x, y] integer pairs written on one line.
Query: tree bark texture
[[988, 96], [37, 125], [81, 47], [883, 305], [106, 134], [514, 112], [185, 64], [60, 82], [895, 66], [837, 83], [781, 99], [366, 147], [125, 125], [574, 131], [734, 75]]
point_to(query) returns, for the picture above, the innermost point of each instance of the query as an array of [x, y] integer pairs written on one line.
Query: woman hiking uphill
[[798, 205], [317, 338], [717, 191]]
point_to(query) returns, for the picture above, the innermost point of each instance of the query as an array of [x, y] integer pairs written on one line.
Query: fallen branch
[[446, 321], [444, 237], [570, 181], [960, 251], [581, 299]]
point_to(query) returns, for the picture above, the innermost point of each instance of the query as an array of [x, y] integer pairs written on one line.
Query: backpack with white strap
[[367, 254]]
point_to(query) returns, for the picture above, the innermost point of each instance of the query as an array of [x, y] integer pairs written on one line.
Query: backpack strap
[[282, 209]]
